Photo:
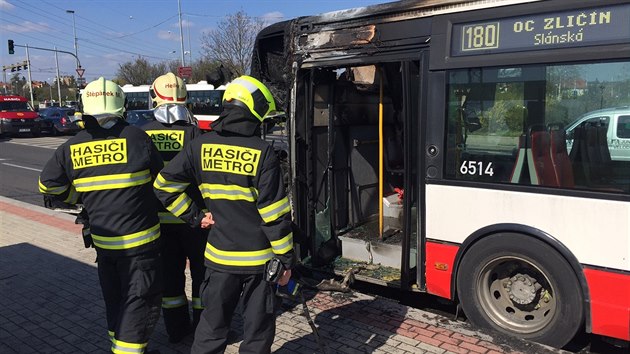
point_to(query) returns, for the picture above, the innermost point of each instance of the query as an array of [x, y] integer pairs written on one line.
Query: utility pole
[[58, 78], [30, 82], [74, 31], [181, 32]]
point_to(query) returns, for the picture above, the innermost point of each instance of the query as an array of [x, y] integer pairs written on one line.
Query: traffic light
[[25, 66], [13, 69], [11, 47]]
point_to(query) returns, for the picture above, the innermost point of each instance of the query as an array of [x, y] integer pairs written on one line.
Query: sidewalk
[[50, 302]]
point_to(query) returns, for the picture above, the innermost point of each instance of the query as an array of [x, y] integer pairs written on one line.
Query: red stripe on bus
[[204, 124], [440, 260], [610, 303]]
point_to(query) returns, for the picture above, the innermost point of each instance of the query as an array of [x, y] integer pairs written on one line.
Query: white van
[[617, 123]]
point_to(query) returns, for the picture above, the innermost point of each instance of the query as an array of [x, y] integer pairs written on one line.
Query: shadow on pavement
[[50, 303]]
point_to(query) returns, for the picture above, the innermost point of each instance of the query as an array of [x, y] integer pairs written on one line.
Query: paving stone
[[58, 307]]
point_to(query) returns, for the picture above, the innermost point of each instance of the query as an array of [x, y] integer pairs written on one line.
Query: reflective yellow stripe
[[127, 241], [238, 258], [180, 205], [168, 186], [174, 302], [51, 190], [275, 211], [168, 218], [229, 192], [196, 303], [283, 245], [116, 181], [111, 335], [120, 347], [73, 196]]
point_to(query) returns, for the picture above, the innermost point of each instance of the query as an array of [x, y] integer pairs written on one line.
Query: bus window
[[205, 102], [538, 125]]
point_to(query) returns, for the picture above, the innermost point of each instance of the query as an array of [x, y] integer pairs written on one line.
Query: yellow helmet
[[168, 88], [250, 94], [103, 98]]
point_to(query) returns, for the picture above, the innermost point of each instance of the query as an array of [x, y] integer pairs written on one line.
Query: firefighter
[[241, 182], [112, 166], [173, 128]]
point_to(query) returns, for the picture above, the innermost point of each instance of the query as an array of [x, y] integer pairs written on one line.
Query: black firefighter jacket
[[170, 139], [112, 169], [240, 180]]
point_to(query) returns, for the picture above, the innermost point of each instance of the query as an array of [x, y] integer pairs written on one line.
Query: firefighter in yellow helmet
[[112, 165], [241, 182], [172, 129]]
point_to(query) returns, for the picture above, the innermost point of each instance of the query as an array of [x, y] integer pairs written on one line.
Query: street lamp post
[[74, 30], [181, 33], [50, 89]]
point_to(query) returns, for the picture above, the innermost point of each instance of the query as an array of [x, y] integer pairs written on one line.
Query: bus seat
[[393, 151], [590, 155], [598, 153], [560, 158], [541, 171], [578, 157], [363, 172], [520, 160]]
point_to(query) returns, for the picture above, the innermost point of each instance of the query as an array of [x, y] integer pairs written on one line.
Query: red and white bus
[[204, 101], [137, 97], [428, 152]]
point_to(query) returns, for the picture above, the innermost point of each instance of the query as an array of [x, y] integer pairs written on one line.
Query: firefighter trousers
[[181, 243], [221, 293], [132, 290]]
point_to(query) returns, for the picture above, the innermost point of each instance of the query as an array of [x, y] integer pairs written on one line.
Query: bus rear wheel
[[520, 286]]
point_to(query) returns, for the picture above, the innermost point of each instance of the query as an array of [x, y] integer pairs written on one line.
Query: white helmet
[[168, 93], [103, 100], [168, 88]]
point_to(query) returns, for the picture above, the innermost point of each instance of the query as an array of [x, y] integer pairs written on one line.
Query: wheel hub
[[522, 288]]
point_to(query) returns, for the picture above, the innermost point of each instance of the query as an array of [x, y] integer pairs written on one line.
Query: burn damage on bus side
[[349, 85]]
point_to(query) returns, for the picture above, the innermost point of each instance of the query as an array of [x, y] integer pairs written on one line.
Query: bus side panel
[[204, 124], [440, 262], [610, 303]]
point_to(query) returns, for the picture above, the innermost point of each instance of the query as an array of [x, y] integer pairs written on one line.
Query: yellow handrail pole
[[380, 156]]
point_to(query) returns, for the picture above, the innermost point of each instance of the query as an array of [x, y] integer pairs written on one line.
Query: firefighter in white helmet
[[241, 182], [171, 131], [112, 165]]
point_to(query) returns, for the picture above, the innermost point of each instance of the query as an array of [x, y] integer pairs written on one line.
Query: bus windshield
[[207, 102]]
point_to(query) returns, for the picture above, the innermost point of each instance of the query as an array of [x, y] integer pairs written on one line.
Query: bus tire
[[521, 286]]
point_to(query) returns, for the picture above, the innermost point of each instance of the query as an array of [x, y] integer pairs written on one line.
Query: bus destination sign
[[593, 26]]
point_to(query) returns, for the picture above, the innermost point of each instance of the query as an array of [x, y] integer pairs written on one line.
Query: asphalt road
[[21, 161]]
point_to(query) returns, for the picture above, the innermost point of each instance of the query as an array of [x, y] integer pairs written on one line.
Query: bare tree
[[140, 72], [232, 42]]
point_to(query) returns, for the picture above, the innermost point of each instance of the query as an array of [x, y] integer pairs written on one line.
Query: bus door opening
[[358, 131]]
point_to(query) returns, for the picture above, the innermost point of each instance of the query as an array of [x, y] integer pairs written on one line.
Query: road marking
[[46, 143], [24, 167]]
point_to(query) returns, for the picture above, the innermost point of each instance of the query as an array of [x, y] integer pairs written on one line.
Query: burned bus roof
[[362, 31], [399, 10]]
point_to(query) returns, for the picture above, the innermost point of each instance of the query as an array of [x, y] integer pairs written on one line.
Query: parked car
[[139, 117], [17, 116], [58, 121]]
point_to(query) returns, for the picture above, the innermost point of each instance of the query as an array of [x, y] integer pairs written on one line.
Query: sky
[[112, 32]]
